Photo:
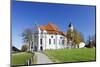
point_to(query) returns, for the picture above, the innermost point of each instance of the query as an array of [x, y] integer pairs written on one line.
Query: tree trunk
[[29, 45]]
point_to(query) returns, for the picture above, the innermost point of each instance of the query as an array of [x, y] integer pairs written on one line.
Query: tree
[[94, 40], [28, 37], [70, 36], [91, 42], [75, 36], [78, 37], [24, 47]]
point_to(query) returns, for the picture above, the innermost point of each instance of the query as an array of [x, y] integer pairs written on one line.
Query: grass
[[71, 55], [20, 58]]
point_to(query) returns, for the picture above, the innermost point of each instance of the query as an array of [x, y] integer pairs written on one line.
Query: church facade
[[50, 37]]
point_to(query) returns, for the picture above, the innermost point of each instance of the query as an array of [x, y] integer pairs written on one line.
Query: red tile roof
[[51, 29]]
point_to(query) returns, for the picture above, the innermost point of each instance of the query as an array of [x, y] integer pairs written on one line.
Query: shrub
[[24, 48]]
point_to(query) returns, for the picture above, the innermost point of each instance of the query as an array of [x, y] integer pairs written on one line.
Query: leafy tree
[[24, 47], [91, 42], [69, 35], [78, 37], [28, 37], [94, 40], [75, 36]]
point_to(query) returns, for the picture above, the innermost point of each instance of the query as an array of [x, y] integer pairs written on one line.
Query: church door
[[41, 48], [35, 48]]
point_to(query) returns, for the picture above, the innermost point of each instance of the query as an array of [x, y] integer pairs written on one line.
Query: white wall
[[81, 45], [45, 40]]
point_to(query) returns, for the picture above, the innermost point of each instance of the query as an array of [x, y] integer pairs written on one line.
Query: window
[[35, 36], [40, 41], [59, 42], [63, 42], [60, 37], [51, 36], [54, 41], [49, 41]]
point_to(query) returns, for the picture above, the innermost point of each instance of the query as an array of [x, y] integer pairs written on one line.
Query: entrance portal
[[41, 48], [35, 48]]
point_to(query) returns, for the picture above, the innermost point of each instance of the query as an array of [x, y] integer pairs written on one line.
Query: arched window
[[54, 41], [40, 41], [59, 41], [49, 41], [62, 42]]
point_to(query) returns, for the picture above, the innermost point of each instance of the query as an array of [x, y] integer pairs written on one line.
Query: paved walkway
[[42, 58]]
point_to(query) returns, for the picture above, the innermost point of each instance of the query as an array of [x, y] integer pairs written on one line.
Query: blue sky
[[26, 14]]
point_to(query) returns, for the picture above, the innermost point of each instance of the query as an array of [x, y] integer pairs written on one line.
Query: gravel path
[[42, 58]]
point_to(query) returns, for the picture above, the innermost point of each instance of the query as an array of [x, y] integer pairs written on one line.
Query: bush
[[24, 48]]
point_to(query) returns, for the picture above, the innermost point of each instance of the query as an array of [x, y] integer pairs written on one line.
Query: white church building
[[49, 37]]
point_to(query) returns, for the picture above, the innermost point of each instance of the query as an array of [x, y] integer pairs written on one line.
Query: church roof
[[51, 29]]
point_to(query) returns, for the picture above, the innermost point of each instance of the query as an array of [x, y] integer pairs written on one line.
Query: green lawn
[[20, 58], [71, 55]]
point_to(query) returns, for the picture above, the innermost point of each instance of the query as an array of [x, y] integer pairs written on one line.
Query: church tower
[[70, 35], [71, 26]]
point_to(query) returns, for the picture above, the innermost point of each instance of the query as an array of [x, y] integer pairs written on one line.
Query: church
[[49, 37]]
